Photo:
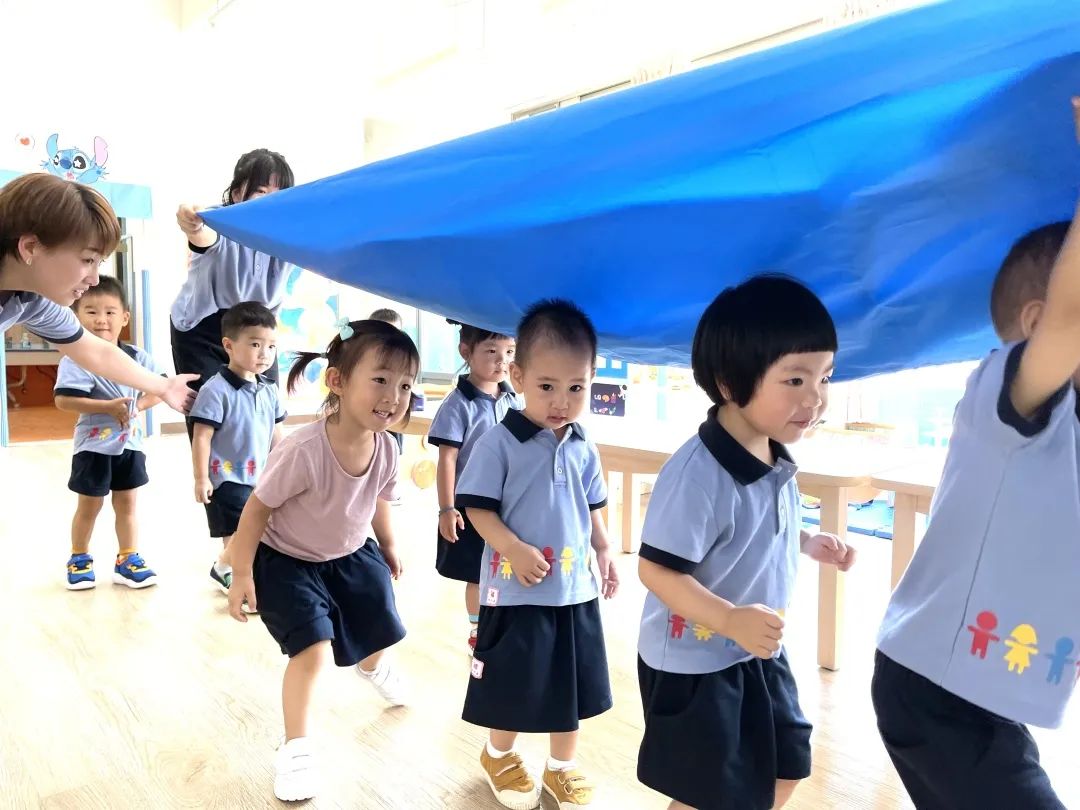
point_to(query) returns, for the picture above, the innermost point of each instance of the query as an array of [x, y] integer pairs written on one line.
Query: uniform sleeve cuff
[[477, 502], [666, 559]]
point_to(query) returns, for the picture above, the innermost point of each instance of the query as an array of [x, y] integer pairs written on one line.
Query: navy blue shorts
[[348, 602], [96, 474], [225, 507], [719, 741], [538, 669], [952, 754], [460, 560]]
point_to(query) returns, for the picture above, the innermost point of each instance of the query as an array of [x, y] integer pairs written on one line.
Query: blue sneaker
[[80, 573], [132, 571]]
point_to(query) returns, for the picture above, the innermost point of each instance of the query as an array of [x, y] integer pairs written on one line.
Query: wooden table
[[914, 486]]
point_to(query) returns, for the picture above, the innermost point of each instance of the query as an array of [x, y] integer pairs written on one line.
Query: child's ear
[[725, 392], [517, 376], [1029, 317], [333, 380], [463, 350], [226, 343]]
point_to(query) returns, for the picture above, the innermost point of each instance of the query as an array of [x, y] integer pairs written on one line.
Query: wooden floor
[[156, 699], [38, 423]]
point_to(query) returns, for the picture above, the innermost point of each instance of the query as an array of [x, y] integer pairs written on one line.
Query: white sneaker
[[386, 682], [296, 779]]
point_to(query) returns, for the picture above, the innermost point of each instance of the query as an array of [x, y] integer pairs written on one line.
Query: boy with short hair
[[237, 415], [979, 639], [108, 442]]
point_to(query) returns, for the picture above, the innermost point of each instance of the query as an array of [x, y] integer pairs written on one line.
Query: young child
[[108, 442], [533, 489], [720, 546], [980, 635], [480, 402], [304, 549], [237, 416], [393, 318], [53, 236]]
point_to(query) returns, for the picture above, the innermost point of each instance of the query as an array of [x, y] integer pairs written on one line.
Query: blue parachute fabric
[[889, 165]]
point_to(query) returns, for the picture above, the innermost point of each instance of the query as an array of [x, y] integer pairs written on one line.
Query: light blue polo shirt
[[224, 275], [99, 432], [468, 413], [45, 318], [730, 521], [545, 491], [243, 415], [989, 608]]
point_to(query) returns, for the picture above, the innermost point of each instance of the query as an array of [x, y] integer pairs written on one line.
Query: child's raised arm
[[1052, 355]]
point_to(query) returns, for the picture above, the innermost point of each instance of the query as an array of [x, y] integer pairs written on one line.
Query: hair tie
[[345, 331]]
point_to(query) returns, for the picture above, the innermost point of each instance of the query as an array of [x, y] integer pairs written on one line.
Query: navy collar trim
[[743, 466], [523, 428]]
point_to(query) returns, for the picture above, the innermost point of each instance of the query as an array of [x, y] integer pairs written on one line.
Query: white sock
[[222, 568], [379, 668], [559, 765], [494, 752]]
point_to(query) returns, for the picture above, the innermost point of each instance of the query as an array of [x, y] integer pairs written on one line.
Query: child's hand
[[449, 523], [755, 628], [242, 590], [204, 490], [391, 557], [609, 575], [829, 549], [120, 410], [188, 219], [528, 564]]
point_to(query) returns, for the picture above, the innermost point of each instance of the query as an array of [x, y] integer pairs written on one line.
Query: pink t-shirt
[[320, 511]]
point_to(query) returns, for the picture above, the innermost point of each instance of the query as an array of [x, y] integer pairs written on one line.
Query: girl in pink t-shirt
[[304, 554]]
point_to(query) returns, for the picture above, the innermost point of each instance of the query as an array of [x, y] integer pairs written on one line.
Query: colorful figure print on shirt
[[981, 634], [1059, 659], [549, 558], [678, 625], [1021, 644], [567, 558]]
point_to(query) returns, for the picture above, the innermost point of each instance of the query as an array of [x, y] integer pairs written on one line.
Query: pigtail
[[300, 364]]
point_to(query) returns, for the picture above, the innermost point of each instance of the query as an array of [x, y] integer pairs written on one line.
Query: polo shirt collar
[[743, 466], [471, 392], [523, 428], [238, 382]]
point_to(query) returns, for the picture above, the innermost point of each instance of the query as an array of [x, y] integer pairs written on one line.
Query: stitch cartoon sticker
[[75, 164]]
